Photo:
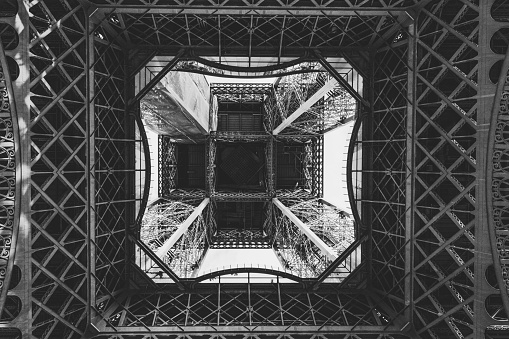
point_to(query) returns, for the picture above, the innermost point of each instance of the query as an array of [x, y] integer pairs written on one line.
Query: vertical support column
[[280, 304], [213, 108], [219, 301], [129, 152], [90, 176], [270, 167], [317, 166], [367, 157], [210, 160], [488, 107], [410, 172], [249, 306], [21, 93]]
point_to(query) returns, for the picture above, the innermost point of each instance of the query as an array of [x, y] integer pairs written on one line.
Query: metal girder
[[160, 263], [158, 77], [327, 250], [168, 177], [497, 160], [410, 174], [225, 9], [257, 330], [318, 95], [341, 260], [161, 251], [341, 80], [261, 308]]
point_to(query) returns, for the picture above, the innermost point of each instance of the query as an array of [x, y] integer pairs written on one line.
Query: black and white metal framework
[[431, 192]]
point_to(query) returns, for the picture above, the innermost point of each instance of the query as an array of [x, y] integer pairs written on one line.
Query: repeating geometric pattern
[[419, 174], [210, 307], [444, 184], [267, 3], [59, 144]]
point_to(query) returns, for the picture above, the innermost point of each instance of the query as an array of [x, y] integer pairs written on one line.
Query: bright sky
[[334, 167]]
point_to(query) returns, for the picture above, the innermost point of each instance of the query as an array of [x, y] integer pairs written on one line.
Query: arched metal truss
[[423, 196], [9, 172]]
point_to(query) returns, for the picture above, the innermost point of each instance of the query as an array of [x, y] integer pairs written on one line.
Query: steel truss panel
[[423, 195], [278, 34], [240, 88], [167, 165], [263, 309]]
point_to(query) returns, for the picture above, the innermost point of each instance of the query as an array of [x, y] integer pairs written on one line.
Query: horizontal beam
[[329, 85], [327, 250], [168, 244], [252, 329], [324, 11]]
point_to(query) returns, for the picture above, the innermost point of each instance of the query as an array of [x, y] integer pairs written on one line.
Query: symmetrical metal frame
[[433, 168]]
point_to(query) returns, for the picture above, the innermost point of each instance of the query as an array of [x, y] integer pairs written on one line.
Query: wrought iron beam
[[340, 79], [332, 11], [329, 85], [158, 77], [341, 258], [326, 250], [410, 173], [168, 244], [158, 261], [254, 330]]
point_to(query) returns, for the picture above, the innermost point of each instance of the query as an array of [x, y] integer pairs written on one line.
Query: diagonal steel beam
[[157, 78], [168, 244], [340, 79], [342, 257], [329, 85], [159, 262], [326, 250]]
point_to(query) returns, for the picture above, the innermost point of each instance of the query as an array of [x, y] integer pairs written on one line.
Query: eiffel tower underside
[[428, 170]]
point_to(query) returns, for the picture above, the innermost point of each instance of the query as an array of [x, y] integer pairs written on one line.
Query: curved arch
[[237, 270], [9, 135], [349, 163], [232, 76], [146, 187], [493, 306], [500, 11], [214, 68], [491, 277], [250, 69], [494, 138], [495, 70]]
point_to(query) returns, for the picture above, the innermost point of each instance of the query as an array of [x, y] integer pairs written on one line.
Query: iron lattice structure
[[430, 191]]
